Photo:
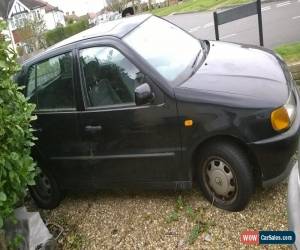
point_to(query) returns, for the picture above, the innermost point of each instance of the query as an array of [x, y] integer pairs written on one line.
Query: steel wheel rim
[[220, 179], [43, 186]]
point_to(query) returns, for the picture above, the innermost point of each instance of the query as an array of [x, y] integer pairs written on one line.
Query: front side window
[[167, 48], [109, 77], [50, 83]]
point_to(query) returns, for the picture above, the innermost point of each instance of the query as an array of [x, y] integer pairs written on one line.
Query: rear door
[[129, 144], [50, 85]]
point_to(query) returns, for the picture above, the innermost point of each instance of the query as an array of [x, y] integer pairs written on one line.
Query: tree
[[60, 33], [17, 169], [150, 4], [32, 33], [116, 5]]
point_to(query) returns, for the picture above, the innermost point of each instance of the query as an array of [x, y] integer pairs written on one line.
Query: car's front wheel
[[46, 192], [225, 176]]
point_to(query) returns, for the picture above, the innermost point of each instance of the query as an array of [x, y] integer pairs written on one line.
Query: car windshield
[[170, 50]]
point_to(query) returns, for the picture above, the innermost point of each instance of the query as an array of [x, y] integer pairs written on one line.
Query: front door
[[129, 144]]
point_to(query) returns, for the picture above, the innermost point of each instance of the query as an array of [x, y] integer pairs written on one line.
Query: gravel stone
[[141, 220]]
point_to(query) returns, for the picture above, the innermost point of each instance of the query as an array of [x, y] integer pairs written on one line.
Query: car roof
[[117, 28]]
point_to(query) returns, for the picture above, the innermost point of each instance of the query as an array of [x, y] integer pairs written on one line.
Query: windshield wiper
[[196, 59], [203, 51]]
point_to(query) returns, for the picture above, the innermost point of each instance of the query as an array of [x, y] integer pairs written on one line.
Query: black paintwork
[[229, 97]]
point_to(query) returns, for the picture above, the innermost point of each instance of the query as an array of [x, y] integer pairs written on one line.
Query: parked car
[[140, 103], [294, 202]]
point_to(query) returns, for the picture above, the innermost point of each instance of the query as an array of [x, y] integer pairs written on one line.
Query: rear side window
[[48, 71], [50, 83]]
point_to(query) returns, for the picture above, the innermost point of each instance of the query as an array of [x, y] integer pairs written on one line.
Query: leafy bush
[[20, 51], [17, 169], [60, 33]]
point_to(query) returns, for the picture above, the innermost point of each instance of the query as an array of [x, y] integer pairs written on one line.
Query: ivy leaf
[[17, 169]]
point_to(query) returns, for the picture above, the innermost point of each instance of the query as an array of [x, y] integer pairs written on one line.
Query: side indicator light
[[188, 123]]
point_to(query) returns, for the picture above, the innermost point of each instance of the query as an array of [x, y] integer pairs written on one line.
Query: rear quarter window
[[50, 83]]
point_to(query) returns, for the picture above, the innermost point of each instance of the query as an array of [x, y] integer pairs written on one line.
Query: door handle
[[93, 129]]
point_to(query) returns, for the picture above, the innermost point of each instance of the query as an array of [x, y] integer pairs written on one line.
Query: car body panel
[[135, 144], [240, 71]]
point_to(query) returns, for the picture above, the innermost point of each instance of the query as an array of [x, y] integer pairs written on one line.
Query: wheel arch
[[228, 139]]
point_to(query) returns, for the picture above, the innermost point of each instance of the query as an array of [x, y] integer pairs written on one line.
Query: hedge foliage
[[17, 168], [60, 33]]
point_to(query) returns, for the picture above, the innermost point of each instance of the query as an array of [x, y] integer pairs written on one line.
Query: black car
[[294, 202], [140, 103]]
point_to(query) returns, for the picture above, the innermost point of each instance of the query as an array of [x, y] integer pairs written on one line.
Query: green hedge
[[61, 33], [17, 169]]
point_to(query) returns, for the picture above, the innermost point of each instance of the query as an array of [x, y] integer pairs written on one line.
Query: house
[[71, 18], [18, 11], [92, 17]]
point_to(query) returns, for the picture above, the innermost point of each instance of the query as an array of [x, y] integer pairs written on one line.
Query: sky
[[80, 7]]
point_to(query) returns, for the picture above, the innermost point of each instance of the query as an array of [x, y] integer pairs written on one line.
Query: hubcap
[[43, 186], [220, 179]]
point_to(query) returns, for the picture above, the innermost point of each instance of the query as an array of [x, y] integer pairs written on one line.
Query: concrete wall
[[295, 69]]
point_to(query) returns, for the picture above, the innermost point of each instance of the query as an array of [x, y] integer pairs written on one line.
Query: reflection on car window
[[48, 71], [110, 78], [31, 82], [50, 83]]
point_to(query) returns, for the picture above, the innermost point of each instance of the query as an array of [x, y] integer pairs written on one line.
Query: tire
[[225, 176], [46, 192]]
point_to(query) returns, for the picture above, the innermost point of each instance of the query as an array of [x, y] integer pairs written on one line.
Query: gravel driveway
[[163, 220]]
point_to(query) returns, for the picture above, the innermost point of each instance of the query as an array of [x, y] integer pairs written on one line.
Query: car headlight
[[282, 118]]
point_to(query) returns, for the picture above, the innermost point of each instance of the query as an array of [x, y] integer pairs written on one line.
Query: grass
[[184, 210], [195, 5], [289, 52], [71, 238]]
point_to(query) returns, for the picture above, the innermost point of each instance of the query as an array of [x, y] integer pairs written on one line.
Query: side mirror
[[143, 94]]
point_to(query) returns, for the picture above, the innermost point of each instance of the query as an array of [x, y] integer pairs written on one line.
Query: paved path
[[281, 24]]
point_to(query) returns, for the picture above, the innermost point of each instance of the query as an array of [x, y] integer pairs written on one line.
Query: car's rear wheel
[[46, 192], [225, 176]]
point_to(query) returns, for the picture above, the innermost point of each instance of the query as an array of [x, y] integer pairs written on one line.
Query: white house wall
[[53, 18]]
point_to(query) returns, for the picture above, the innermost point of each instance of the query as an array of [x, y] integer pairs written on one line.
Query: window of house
[[13, 25], [17, 22], [109, 77], [50, 83]]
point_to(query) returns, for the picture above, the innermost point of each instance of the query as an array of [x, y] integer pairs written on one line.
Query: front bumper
[[284, 175], [294, 204], [273, 155]]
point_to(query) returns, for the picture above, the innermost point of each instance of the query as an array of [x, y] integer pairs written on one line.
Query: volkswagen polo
[[140, 103]]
